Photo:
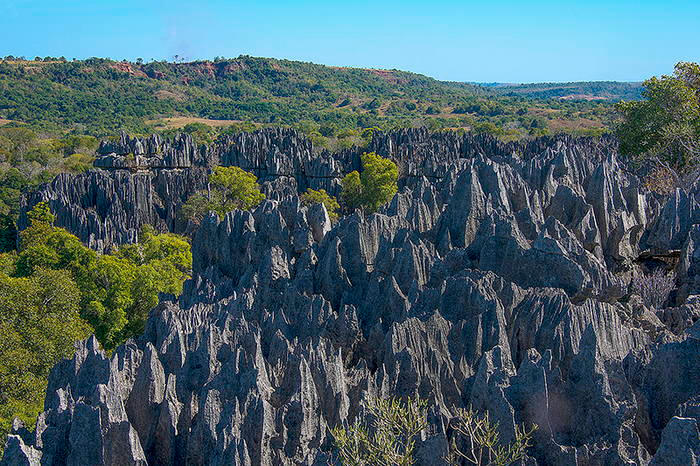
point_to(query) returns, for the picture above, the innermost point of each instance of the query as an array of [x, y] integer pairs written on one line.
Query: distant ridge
[[100, 95]]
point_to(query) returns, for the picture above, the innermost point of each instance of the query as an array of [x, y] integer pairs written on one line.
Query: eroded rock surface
[[497, 277]]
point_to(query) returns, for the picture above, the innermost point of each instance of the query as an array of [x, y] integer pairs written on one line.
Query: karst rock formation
[[497, 277]]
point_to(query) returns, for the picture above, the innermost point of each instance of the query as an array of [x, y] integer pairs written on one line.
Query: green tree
[[41, 213], [231, 188], [19, 141], [352, 190], [664, 127], [311, 196], [200, 132], [390, 437], [39, 324], [197, 206], [239, 188], [116, 291], [374, 186], [162, 262], [8, 233]]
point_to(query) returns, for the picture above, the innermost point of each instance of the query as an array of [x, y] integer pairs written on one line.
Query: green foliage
[[41, 213], [201, 133], [482, 441], [372, 188], [101, 96], [605, 89], [54, 291], [198, 205], [26, 160], [231, 188], [386, 435], [78, 163], [116, 291], [312, 196], [39, 323], [379, 180], [352, 190], [665, 126], [239, 189], [239, 127], [8, 233], [389, 439]]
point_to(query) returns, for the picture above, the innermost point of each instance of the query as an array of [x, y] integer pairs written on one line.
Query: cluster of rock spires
[[498, 277]]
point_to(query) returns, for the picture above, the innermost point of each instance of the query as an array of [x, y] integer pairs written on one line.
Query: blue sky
[[505, 41]]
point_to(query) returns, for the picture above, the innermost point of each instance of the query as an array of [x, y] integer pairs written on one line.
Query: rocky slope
[[497, 277]]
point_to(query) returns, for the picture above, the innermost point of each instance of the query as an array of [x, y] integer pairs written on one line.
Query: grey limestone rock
[[496, 278]]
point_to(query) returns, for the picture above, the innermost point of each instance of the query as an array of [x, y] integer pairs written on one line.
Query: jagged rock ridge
[[497, 277]]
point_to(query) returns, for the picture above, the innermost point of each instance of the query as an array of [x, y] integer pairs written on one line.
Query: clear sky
[[459, 40]]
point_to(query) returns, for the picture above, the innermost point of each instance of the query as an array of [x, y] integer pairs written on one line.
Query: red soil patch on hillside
[[387, 75], [126, 67]]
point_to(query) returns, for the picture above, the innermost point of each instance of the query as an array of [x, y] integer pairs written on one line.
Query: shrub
[[311, 196], [390, 436], [372, 188], [482, 438], [388, 439], [664, 127], [654, 288], [231, 188]]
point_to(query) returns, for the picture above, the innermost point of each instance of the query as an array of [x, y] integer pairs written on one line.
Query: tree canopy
[[311, 196], [374, 186], [116, 291], [101, 96], [54, 291], [39, 323], [664, 127], [231, 188]]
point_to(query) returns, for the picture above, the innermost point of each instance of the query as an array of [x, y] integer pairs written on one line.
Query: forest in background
[[98, 96]]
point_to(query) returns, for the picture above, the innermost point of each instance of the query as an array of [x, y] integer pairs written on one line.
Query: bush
[[312, 196], [654, 288], [231, 188], [116, 291], [388, 439], [483, 441], [39, 324], [372, 188], [664, 127]]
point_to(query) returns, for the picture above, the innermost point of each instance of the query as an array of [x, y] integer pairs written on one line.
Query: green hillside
[[597, 90], [100, 96]]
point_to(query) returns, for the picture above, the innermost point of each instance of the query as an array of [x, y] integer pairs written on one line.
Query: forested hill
[[98, 96], [595, 90]]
